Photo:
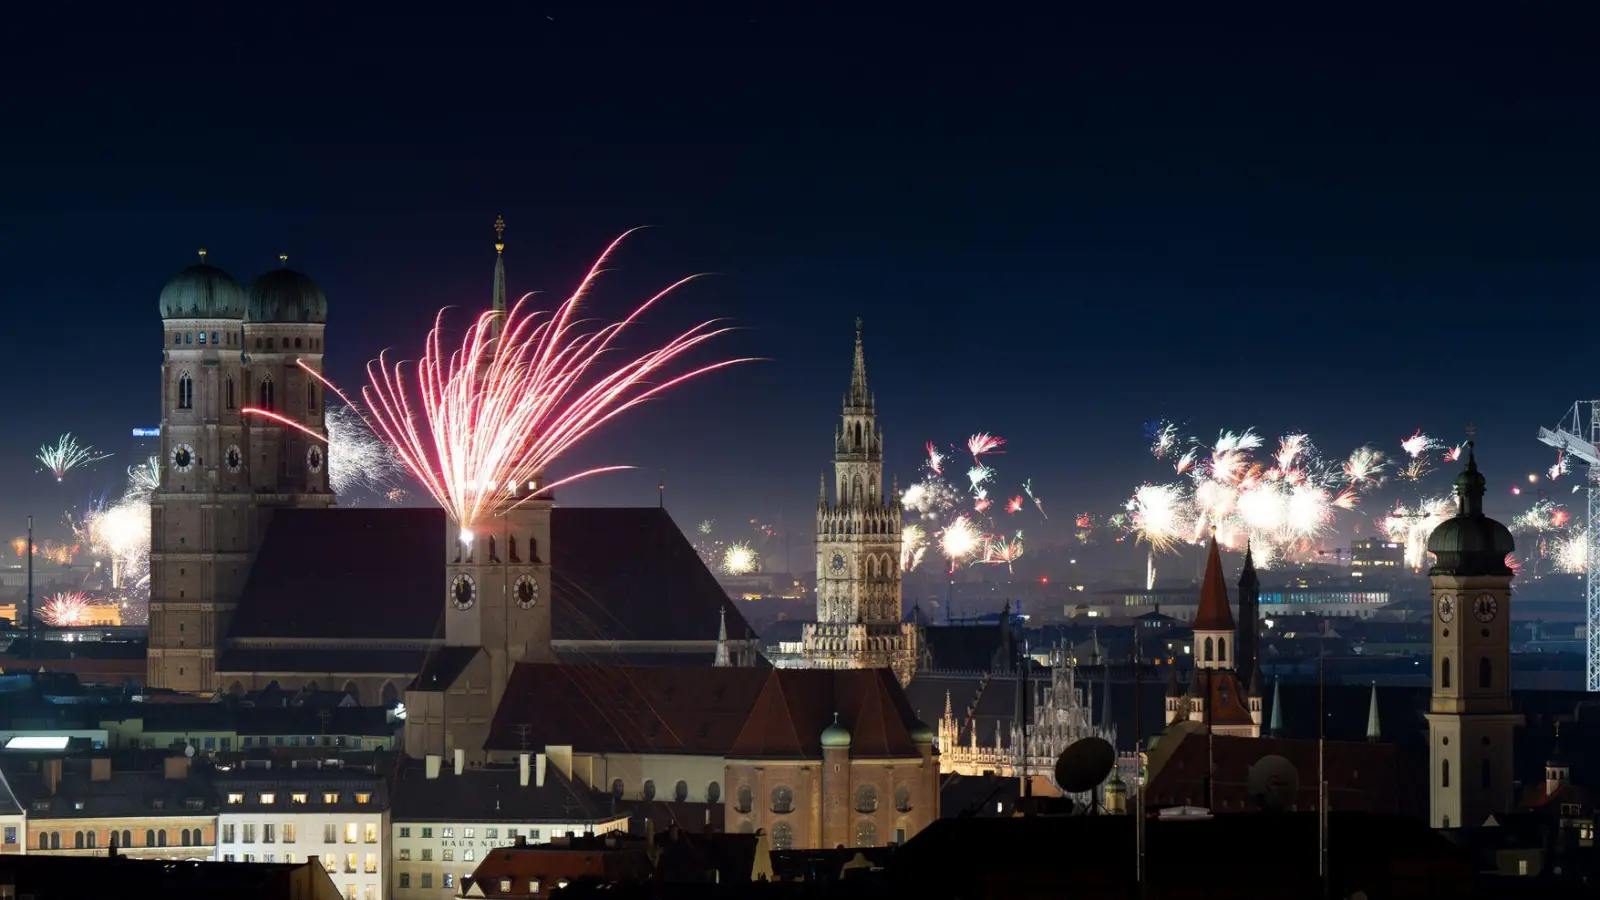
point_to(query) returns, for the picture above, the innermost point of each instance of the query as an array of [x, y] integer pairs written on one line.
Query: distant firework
[[959, 521], [357, 459], [66, 455], [145, 477], [480, 425], [739, 559], [66, 609]]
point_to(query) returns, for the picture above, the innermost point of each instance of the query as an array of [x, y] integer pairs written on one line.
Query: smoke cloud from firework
[[478, 426]]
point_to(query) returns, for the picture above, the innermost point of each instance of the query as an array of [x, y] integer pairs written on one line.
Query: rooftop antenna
[[661, 489], [522, 731]]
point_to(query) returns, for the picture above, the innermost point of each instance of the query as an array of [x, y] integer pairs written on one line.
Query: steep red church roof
[[1214, 613]]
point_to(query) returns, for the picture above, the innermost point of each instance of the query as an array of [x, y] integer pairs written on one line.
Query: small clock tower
[[1470, 717]]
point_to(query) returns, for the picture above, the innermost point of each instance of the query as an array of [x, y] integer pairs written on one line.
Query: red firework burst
[[478, 426], [66, 609]]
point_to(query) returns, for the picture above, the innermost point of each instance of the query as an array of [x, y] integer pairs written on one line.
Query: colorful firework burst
[[66, 454], [522, 390], [66, 609], [740, 559]]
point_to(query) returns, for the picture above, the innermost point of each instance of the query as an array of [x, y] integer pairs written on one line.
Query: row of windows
[[781, 834], [266, 394], [448, 831], [82, 840], [231, 339], [448, 854], [354, 833], [866, 799], [1485, 672], [448, 880], [298, 797]]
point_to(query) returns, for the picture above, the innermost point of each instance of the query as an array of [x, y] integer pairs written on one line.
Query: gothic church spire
[[860, 397]]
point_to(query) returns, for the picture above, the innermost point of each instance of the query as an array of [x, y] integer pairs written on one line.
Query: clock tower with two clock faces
[[1470, 716]]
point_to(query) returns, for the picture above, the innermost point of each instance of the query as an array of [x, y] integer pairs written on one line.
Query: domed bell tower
[[284, 324], [1470, 717], [199, 513]]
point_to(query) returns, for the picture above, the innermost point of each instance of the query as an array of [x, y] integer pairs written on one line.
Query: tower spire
[[499, 300], [723, 660], [1374, 732], [1275, 727], [859, 397]]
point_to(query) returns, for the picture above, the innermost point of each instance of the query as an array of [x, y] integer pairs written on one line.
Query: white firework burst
[[357, 459]]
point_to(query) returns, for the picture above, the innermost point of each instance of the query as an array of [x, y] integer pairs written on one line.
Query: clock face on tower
[[463, 592], [1447, 607], [233, 458], [836, 566], [314, 459], [183, 457], [526, 591], [1485, 607]]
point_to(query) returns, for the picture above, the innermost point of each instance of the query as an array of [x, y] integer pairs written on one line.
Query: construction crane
[[1578, 435]]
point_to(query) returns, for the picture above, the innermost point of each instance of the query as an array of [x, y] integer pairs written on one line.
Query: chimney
[[175, 768], [538, 770], [51, 771], [461, 760], [100, 769], [522, 770], [433, 762]]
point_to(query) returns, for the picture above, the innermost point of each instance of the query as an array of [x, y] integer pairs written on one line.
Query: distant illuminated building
[[1376, 554]]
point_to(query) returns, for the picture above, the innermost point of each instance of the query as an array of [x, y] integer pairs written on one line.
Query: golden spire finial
[[203, 252], [499, 234], [283, 259]]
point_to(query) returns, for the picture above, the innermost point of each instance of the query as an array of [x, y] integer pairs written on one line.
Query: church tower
[[859, 621], [1249, 643], [1470, 718], [496, 607], [1215, 695], [200, 531]]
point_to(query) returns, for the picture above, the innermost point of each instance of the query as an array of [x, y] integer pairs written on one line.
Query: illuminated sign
[[147, 432], [38, 742]]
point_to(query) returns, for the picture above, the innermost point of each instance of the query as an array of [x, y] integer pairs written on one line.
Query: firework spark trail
[[1161, 515], [1014, 505], [498, 411], [65, 609], [999, 551], [960, 541], [144, 478], [982, 443], [1163, 438], [739, 559], [67, 455], [935, 459], [1364, 465], [1418, 444], [913, 546], [357, 458], [1453, 454], [1559, 468], [1412, 526], [1571, 553], [1027, 488]]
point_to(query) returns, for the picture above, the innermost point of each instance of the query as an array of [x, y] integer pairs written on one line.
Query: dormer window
[[77, 804], [269, 798], [330, 797], [297, 798], [235, 799], [363, 798]]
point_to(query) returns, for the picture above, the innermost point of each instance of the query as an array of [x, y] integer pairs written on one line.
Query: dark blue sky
[[1056, 229]]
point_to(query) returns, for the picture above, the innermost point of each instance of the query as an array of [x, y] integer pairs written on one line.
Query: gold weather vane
[[1472, 431], [202, 255], [499, 234], [283, 259]]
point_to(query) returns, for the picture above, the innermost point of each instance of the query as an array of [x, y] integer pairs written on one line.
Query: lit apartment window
[[235, 799], [405, 854], [447, 832], [363, 798], [269, 798], [330, 863], [491, 833], [350, 863], [351, 833], [372, 833], [466, 856], [297, 798], [449, 855], [371, 867], [288, 832], [449, 880], [370, 892], [349, 892], [505, 885], [249, 833], [330, 797]]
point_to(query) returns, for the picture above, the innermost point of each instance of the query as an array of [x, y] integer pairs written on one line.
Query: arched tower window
[[1222, 650], [1485, 673], [494, 550], [1444, 776], [266, 393], [311, 396], [1444, 672], [227, 387], [185, 391], [1209, 649], [511, 548]]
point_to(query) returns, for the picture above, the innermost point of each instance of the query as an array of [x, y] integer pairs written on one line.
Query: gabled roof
[[123, 795], [625, 709], [797, 704], [618, 574], [1213, 614]]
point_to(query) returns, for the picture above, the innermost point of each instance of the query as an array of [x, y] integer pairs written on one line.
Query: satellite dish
[[1273, 783], [1084, 765], [188, 750]]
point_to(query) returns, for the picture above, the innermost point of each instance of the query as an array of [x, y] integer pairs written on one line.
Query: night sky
[[1055, 229]]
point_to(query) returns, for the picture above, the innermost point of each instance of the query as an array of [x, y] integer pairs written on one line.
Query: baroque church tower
[[859, 621], [222, 471], [1470, 717]]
